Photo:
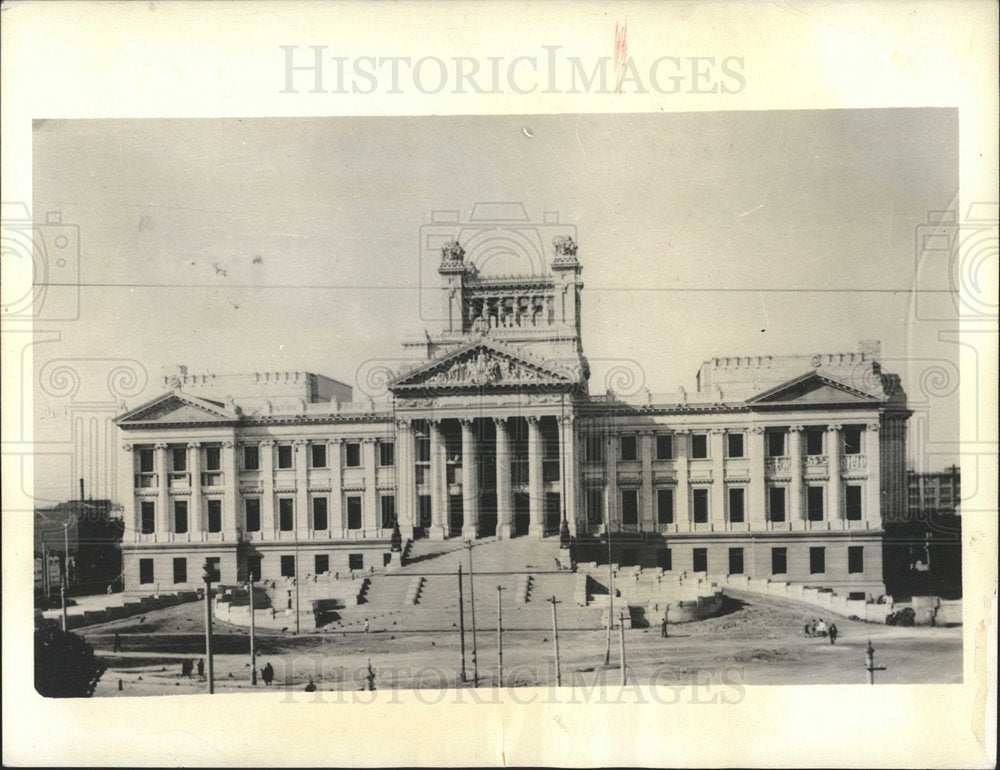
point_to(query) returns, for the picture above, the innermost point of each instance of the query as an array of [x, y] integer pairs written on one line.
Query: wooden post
[[555, 641]]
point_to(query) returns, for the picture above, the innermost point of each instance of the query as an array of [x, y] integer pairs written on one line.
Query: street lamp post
[[253, 635], [472, 603], [209, 577]]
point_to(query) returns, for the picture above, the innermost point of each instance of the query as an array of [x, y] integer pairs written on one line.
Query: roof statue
[[565, 246], [452, 251]]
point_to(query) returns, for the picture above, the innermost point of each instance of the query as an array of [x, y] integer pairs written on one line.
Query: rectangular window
[[817, 560], [699, 446], [855, 559], [354, 512], [699, 501], [178, 460], [322, 563], [699, 559], [666, 560], [735, 561], [776, 442], [284, 456], [251, 458], [735, 442], [318, 458], [356, 561], [180, 516], [665, 506], [148, 513], [664, 447], [852, 502], [779, 561], [386, 453], [214, 515], [252, 510], [180, 570], [852, 441], [253, 566], [776, 503], [352, 451], [387, 503], [422, 473], [288, 565], [630, 507], [213, 458], [814, 441], [286, 514], [145, 570], [424, 505], [737, 497], [595, 505], [423, 449], [814, 503], [145, 461], [594, 448], [321, 521], [629, 448]]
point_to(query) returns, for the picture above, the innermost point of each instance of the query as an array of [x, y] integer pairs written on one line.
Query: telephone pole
[[499, 637], [621, 647], [461, 623], [209, 577], [253, 637], [472, 602], [65, 574], [555, 640]]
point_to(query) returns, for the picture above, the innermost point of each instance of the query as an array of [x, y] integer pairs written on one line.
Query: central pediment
[[177, 408], [484, 363], [815, 388]]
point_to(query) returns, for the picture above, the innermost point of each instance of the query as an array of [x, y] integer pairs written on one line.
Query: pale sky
[[688, 227]]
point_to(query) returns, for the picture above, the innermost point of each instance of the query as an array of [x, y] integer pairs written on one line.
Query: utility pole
[[555, 640], [499, 637], [870, 666], [253, 636], [209, 577], [461, 623], [621, 648], [472, 602], [295, 523], [65, 574], [611, 595]]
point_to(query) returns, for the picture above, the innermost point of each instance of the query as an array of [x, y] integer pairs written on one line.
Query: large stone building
[[773, 466]]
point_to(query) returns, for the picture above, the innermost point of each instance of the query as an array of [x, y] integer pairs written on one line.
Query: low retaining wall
[[128, 608]]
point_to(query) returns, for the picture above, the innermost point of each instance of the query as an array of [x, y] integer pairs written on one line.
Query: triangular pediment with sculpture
[[176, 408], [485, 364]]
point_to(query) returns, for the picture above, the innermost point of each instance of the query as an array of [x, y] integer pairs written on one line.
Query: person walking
[[663, 628], [267, 674], [201, 667], [367, 626], [833, 633]]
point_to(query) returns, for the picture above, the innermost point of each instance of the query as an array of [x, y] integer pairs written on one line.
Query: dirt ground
[[757, 641]]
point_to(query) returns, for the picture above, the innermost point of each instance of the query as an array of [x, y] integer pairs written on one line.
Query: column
[[231, 501], [647, 514], [567, 472], [470, 481], [371, 513], [302, 512], [406, 503], [757, 488], [335, 458], [196, 518], [439, 486], [834, 508], [126, 494], [611, 519], [536, 487], [682, 501], [795, 490], [716, 450], [267, 526], [505, 513], [873, 487], [163, 499]]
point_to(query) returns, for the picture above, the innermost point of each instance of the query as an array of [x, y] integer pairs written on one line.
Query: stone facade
[[775, 468]]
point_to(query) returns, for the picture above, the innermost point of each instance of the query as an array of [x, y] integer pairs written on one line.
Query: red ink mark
[[621, 53]]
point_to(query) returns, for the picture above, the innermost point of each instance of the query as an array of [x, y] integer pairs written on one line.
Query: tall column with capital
[[126, 493], [716, 451], [336, 460], [302, 512], [505, 513], [647, 519], [231, 502], [835, 510], [536, 487], [196, 518], [267, 494], [795, 490], [470, 481], [163, 498], [439, 482], [756, 489], [372, 520], [683, 501], [405, 479], [567, 471], [873, 487]]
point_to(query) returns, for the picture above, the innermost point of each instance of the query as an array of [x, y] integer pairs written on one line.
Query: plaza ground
[[758, 640]]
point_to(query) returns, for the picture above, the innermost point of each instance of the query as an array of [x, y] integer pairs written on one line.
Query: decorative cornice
[[834, 427], [194, 445]]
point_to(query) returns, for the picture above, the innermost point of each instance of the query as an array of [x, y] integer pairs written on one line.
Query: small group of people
[[188, 667], [818, 627]]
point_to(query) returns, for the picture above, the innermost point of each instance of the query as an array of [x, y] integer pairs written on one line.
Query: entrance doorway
[[522, 514], [553, 517], [455, 515]]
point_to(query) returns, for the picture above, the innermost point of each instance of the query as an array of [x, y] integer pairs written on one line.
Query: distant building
[[93, 530], [939, 492], [775, 467]]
